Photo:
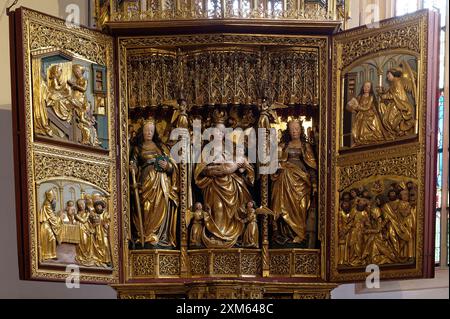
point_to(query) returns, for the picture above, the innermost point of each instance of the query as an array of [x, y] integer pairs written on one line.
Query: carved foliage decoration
[[307, 264], [142, 265], [226, 264], [223, 76], [280, 264], [406, 37], [199, 264], [169, 265], [48, 166], [55, 35], [251, 264], [400, 166]]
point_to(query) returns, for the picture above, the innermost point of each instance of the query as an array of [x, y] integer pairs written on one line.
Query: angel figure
[[196, 218], [180, 108], [268, 113], [250, 237], [396, 109]]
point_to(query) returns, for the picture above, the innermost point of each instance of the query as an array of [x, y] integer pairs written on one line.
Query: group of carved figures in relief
[[389, 113], [64, 94], [222, 212], [377, 224], [84, 223]]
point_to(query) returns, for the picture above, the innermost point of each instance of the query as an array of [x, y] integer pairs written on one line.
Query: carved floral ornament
[[130, 10]]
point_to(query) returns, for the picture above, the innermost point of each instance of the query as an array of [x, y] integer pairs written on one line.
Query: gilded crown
[[150, 120], [220, 116]]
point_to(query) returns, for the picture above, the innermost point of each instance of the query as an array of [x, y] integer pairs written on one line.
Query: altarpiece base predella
[[103, 185]]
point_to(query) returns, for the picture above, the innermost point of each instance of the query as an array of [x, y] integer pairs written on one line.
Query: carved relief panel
[[66, 150], [384, 111], [380, 101]]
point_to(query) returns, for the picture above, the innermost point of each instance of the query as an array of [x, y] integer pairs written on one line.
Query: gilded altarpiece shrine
[[99, 113]]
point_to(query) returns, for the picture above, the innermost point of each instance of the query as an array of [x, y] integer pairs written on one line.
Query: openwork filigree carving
[[399, 166], [142, 265], [307, 264], [215, 76], [226, 264], [402, 38], [169, 265], [54, 33], [199, 264], [251, 264], [280, 264], [50, 166], [130, 10]]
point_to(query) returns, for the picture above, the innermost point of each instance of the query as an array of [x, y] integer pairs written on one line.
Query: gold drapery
[[101, 251], [291, 193], [84, 248], [159, 198], [224, 195], [49, 232], [251, 233], [397, 111], [367, 127], [197, 228]]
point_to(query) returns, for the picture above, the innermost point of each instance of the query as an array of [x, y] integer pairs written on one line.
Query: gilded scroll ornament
[[143, 265], [226, 264], [199, 264], [280, 264], [404, 37], [398, 166], [251, 264], [54, 34], [307, 264], [48, 166], [169, 265]]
